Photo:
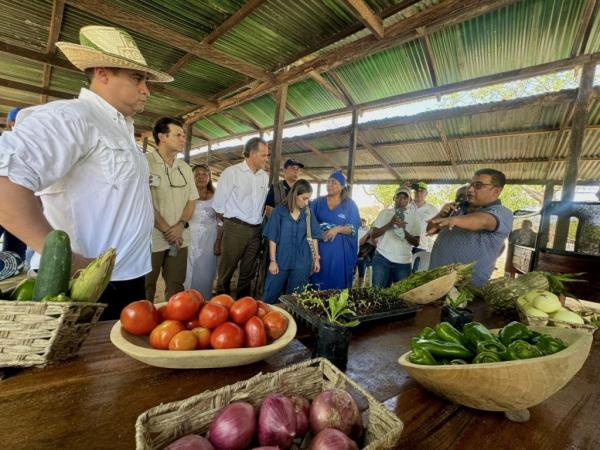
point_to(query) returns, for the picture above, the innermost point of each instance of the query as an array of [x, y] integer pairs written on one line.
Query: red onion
[[234, 427], [265, 448], [302, 411], [276, 422], [332, 439], [191, 442], [335, 408]]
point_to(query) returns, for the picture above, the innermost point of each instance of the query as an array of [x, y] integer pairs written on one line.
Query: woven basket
[[163, 424], [38, 333]]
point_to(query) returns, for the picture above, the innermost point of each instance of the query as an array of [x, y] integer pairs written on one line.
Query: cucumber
[[54, 273]]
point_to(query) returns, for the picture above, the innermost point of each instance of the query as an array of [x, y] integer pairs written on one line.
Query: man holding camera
[[396, 230]]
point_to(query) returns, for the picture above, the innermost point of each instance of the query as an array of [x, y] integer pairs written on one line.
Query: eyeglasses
[[171, 182], [477, 185]]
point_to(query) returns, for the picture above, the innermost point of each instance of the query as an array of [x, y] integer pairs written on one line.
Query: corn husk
[[91, 281]]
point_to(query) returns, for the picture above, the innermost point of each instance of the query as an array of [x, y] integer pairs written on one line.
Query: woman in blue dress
[[290, 253], [340, 220]]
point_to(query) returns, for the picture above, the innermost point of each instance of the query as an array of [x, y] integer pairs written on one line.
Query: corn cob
[[93, 279]]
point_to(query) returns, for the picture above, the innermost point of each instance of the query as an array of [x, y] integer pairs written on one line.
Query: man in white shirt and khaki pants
[[239, 201], [80, 157]]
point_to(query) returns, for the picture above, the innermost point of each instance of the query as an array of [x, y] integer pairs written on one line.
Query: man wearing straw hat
[[80, 157]]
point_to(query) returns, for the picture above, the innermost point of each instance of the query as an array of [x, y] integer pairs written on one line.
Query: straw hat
[[108, 47]]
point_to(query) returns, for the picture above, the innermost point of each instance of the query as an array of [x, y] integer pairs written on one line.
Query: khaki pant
[[173, 272], [240, 244]]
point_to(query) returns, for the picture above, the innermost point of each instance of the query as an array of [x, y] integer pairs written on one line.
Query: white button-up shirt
[[425, 213], [241, 193], [81, 158]]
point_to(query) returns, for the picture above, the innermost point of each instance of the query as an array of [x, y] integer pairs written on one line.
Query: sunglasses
[[171, 182]]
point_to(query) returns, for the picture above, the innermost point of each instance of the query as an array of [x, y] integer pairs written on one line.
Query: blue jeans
[[286, 281], [386, 272], [361, 266]]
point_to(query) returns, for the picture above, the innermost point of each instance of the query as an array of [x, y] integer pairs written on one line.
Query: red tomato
[[227, 335], [197, 295], [164, 332], [275, 324], [213, 315], [242, 310], [203, 335], [139, 318], [162, 312], [256, 336], [263, 309], [223, 299], [191, 324], [183, 306], [184, 340]]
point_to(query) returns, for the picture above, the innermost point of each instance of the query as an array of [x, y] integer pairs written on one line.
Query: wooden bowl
[[508, 385], [138, 348], [430, 292]]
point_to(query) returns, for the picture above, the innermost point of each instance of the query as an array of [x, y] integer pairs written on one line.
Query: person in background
[[202, 261], [477, 236], [10, 243], [239, 202], [523, 236], [339, 219], [81, 159], [292, 255], [278, 191], [397, 231], [174, 196], [365, 252], [425, 211]]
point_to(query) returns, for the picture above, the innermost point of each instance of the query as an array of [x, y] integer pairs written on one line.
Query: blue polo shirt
[[464, 246]]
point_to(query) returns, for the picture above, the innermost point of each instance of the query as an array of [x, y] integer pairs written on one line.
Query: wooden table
[[93, 401]]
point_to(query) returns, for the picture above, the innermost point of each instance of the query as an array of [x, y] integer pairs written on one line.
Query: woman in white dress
[[202, 262]]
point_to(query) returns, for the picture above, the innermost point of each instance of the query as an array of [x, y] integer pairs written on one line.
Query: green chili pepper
[[427, 333], [486, 357], [442, 349], [492, 346], [512, 332], [446, 332], [474, 333], [522, 350], [455, 362], [549, 345], [421, 356]]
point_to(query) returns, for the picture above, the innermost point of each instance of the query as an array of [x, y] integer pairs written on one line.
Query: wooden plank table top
[[92, 402]]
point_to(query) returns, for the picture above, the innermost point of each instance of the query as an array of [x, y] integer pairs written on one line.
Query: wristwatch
[[185, 224]]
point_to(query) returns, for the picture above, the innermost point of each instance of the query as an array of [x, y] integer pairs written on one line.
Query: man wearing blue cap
[[11, 118], [279, 191]]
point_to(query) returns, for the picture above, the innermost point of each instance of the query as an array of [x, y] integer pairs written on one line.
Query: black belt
[[241, 222]]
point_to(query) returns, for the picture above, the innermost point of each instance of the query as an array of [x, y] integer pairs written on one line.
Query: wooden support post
[[145, 145], [281, 99], [188, 142], [319, 189], [580, 118], [352, 150], [542, 242]]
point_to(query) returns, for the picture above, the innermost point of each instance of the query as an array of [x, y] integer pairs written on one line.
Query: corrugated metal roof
[[308, 97], [262, 110], [25, 24], [384, 74], [210, 129], [523, 34], [236, 127], [17, 69]]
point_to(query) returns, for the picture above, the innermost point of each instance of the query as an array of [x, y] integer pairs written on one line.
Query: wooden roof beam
[[378, 157], [367, 16], [329, 87], [126, 19], [319, 153], [444, 14], [429, 59], [227, 25], [242, 120], [217, 124], [440, 128], [58, 7], [585, 28]]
